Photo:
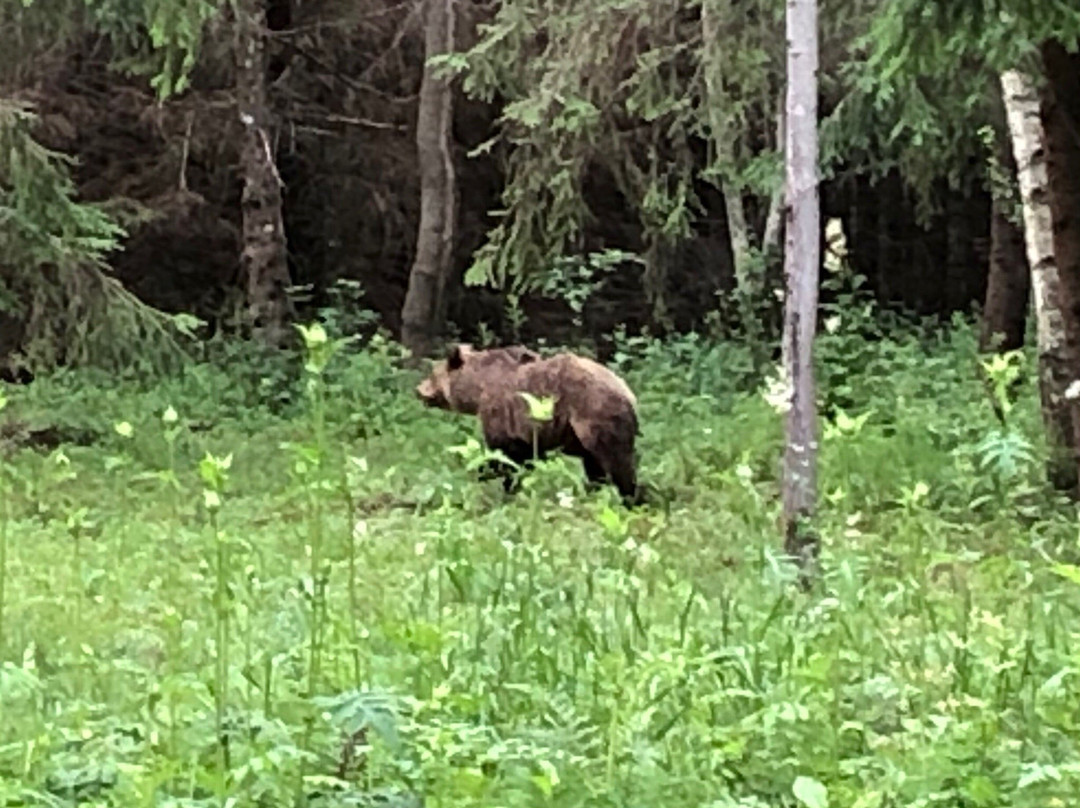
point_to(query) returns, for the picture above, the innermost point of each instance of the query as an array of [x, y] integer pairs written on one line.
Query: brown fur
[[594, 418]]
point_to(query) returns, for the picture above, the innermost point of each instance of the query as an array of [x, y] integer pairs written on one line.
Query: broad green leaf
[[810, 792]]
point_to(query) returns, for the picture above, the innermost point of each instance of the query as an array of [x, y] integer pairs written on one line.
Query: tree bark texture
[[1028, 142], [802, 258], [1061, 124], [1007, 285], [263, 260], [424, 310], [770, 239]]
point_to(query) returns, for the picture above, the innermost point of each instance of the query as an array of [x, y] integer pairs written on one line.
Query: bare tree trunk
[[770, 239], [263, 260], [1060, 107], [1025, 127], [723, 137], [740, 237], [424, 310], [1007, 286], [802, 257]]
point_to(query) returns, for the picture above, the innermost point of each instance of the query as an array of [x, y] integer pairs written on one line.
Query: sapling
[[541, 410], [5, 518], [319, 349], [309, 465], [214, 474]]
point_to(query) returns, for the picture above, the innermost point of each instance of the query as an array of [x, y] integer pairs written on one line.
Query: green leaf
[[810, 792], [982, 791], [1068, 571]]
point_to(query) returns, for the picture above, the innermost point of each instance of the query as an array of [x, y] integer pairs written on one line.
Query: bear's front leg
[[520, 456], [498, 469]]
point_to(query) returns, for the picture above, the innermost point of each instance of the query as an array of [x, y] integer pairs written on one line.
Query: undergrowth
[[280, 582]]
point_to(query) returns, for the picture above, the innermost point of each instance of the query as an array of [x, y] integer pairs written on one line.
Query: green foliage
[[924, 86], [618, 88], [936, 36], [358, 620], [42, 221], [58, 294], [156, 38]]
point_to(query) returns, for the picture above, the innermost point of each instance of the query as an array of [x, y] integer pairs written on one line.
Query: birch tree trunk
[[802, 258], [723, 137], [263, 258], [424, 310], [1025, 128], [1060, 107]]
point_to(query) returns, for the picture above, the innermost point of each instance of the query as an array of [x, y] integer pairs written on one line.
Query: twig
[[186, 150]]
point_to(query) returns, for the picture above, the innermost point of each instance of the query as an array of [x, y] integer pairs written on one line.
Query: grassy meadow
[[251, 584]]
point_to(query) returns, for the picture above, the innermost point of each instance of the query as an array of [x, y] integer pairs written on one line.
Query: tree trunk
[[424, 310], [886, 251], [958, 255], [723, 137], [1025, 127], [802, 257], [770, 239], [263, 260], [740, 239], [1007, 286], [1061, 124]]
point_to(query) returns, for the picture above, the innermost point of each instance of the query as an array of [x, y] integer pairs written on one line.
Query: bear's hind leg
[[594, 470]]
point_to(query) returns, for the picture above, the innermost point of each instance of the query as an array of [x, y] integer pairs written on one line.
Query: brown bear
[[594, 418]]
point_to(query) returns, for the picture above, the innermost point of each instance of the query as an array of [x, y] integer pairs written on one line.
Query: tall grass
[[356, 619]]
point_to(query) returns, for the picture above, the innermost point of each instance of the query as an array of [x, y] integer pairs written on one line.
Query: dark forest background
[[342, 83]]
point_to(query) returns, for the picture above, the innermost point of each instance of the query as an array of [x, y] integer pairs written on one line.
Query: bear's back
[[582, 372], [579, 384]]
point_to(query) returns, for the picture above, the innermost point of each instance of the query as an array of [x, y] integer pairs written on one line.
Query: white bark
[[723, 139], [1028, 142], [770, 240], [802, 258]]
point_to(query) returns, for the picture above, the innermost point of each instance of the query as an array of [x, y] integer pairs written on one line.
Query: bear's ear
[[456, 356], [525, 356]]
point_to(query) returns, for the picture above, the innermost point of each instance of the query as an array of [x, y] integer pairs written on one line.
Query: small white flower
[[1072, 392], [778, 391]]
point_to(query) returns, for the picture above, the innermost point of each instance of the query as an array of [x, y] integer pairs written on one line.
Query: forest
[[812, 272]]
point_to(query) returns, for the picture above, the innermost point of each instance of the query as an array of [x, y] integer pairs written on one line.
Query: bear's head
[[457, 382]]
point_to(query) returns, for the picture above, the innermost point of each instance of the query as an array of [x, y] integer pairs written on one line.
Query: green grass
[[396, 632]]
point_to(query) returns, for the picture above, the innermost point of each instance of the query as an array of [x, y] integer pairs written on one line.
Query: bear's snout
[[428, 392]]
